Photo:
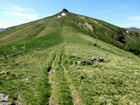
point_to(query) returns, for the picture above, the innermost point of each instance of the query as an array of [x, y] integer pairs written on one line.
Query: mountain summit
[[95, 28]]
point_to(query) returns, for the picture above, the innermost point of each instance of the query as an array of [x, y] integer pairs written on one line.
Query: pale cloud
[[20, 12], [128, 24], [132, 21], [134, 18], [15, 15]]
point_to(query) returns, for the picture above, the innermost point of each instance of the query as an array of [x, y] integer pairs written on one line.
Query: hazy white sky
[[124, 13]]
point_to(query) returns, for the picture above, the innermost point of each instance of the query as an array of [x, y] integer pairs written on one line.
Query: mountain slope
[[93, 27], [47, 71]]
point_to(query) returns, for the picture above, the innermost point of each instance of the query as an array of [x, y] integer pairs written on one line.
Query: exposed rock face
[[89, 26], [119, 36]]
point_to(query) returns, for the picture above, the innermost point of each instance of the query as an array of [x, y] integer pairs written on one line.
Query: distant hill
[[1, 29], [133, 29]]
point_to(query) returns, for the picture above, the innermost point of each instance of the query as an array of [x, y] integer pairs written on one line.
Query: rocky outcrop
[[119, 36], [90, 61]]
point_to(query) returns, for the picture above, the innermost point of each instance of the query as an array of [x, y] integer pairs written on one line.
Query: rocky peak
[[65, 10]]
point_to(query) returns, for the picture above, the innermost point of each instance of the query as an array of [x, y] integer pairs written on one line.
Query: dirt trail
[[50, 74], [74, 94]]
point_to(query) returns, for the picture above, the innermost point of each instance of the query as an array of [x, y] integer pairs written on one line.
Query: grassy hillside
[[47, 72], [35, 31], [127, 40]]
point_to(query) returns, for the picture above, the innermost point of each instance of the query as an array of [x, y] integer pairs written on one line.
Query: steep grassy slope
[[50, 75], [32, 33], [104, 31]]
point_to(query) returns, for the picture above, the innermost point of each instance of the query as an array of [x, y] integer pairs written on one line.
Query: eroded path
[[62, 90]]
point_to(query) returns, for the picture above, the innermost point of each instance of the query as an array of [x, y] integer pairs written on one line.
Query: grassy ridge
[[104, 31]]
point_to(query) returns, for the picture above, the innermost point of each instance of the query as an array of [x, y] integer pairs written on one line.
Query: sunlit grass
[[25, 77]]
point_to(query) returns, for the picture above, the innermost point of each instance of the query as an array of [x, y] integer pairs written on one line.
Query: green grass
[[115, 81], [61, 43], [40, 43], [60, 89], [15, 71]]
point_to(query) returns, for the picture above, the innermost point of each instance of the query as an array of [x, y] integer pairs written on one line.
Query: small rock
[[58, 16], [83, 61], [78, 62], [89, 62], [82, 77], [28, 78], [94, 44], [3, 99], [93, 59], [18, 103], [99, 59]]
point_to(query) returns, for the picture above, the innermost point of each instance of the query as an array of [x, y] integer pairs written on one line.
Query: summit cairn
[[65, 10], [63, 13]]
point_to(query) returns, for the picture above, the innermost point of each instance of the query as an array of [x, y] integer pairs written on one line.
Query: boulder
[[83, 61], [90, 60], [93, 59], [100, 59]]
